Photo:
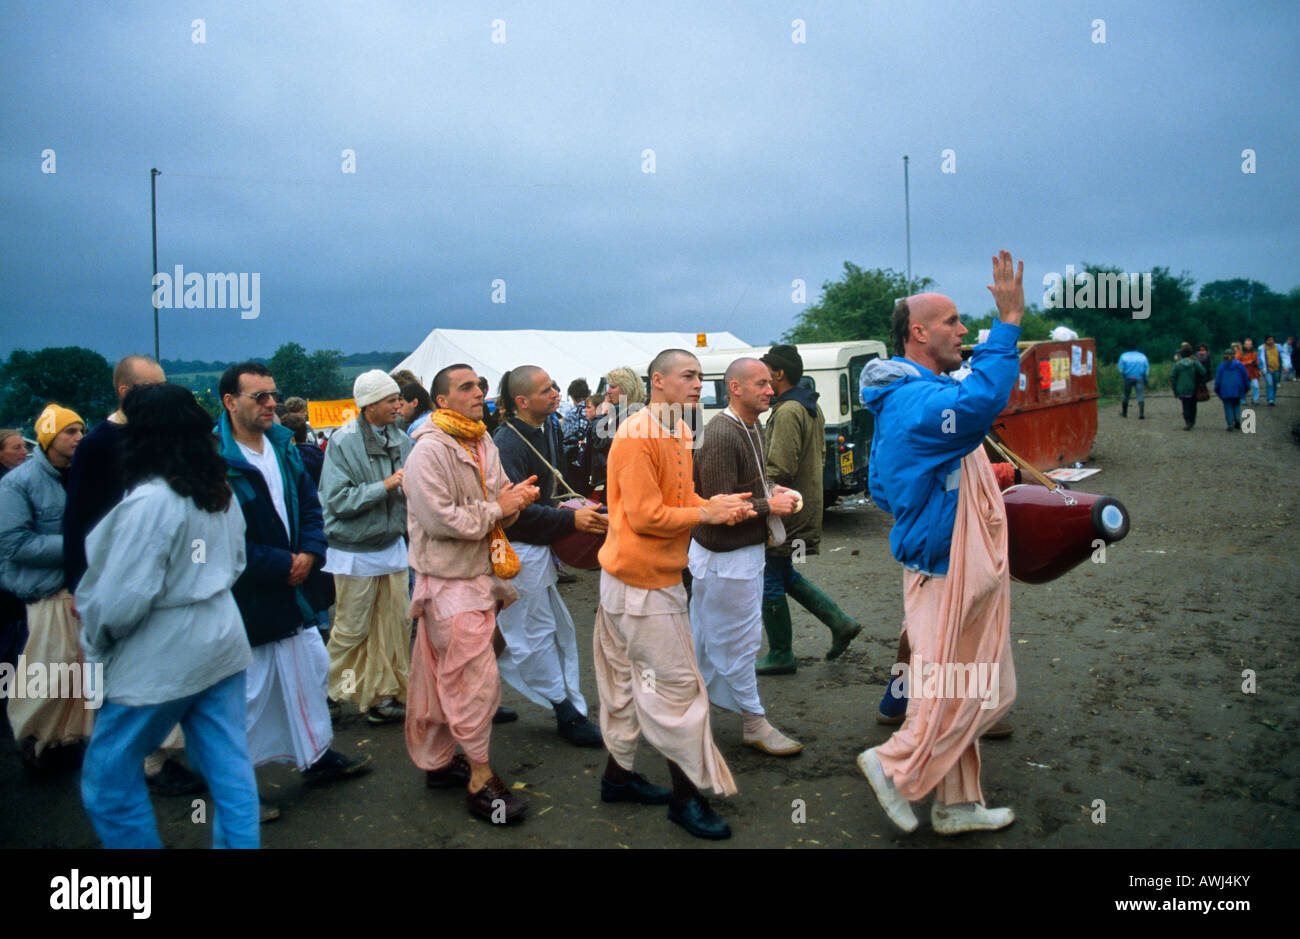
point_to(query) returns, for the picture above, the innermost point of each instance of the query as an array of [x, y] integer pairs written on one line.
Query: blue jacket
[[31, 529], [270, 607], [925, 424], [1231, 380], [1133, 365]]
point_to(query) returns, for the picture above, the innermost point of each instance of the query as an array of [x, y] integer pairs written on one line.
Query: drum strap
[[559, 477]]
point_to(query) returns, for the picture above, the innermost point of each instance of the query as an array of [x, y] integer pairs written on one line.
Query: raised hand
[[1008, 288]]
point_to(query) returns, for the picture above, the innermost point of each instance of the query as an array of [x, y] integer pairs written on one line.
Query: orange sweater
[[653, 504]]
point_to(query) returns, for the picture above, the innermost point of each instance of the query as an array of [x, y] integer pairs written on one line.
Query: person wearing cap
[[796, 453], [32, 500], [365, 522]]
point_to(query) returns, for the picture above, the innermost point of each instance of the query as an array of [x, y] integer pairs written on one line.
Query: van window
[[844, 393], [713, 393], [856, 364]]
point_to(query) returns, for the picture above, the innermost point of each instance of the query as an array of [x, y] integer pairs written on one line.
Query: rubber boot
[[776, 623], [1142, 410], [1123, 409], [842, 627]]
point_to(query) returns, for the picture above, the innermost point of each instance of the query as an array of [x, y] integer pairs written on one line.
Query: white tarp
[[565, 354]]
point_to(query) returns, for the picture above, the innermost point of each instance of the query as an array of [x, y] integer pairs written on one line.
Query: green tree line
[[82, 379], [860, 306]]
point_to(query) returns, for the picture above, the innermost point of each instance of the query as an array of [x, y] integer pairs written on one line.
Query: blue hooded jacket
[[925, 425], [1231, 380], [272, 609]]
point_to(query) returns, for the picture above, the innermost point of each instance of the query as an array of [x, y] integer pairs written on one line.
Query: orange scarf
[[505, 563]]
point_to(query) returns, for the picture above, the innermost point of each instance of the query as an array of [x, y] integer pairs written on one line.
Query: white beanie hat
[[374, 385]]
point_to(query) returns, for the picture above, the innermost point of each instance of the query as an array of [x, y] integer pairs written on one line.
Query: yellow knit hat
[[52, 421]]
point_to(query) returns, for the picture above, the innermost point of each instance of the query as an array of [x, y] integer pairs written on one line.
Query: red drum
[[1051, 531], [579, 549]]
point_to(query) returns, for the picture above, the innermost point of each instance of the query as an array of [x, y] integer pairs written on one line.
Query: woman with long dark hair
[[158, 617]]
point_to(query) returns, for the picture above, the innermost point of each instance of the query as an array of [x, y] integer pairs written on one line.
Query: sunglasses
[[264, 396]]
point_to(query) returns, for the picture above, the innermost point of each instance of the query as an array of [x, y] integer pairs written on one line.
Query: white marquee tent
[[565, 354]]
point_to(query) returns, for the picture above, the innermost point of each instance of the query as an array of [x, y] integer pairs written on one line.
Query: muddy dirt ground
[[1130, 691]]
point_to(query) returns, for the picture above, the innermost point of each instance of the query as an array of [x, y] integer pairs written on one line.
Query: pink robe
[[964, 617]]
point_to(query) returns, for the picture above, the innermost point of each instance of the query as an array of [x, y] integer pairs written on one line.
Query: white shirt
[[268, 465]]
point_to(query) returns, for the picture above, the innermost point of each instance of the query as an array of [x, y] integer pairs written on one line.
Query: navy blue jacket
[[270, 607], [1231, 380], [540, 523]]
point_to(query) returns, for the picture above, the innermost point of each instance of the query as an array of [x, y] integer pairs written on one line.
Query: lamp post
[[153, 212]]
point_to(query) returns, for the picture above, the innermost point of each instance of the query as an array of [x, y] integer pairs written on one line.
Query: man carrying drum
[[541, 656], [929, 470]]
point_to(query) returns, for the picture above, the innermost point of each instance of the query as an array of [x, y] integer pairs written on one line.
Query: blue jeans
[[1254, 391], [1128, 388], [778, 575], [1271, 379], [216, 742], [1232, 410]]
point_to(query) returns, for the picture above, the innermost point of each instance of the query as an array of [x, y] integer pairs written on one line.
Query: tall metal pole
[[153, 212], [907, 209]]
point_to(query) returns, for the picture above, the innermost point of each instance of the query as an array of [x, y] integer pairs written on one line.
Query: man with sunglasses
[[282, 588]]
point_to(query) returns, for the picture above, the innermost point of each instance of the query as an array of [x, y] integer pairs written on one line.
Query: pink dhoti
[[454, 689], [649, 683], [961, 677]]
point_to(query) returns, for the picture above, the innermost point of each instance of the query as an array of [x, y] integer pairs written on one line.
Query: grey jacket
[[31, 529], [155, 602], [359, 514]]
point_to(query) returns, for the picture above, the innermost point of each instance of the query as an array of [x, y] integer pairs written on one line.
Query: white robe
[[727, 622], [541, 657], [288, 715]]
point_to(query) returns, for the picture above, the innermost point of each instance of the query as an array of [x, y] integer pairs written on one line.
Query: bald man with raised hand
[[929, 470]]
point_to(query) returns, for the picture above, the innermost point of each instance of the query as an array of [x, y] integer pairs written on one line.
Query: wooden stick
[[1011, 457]]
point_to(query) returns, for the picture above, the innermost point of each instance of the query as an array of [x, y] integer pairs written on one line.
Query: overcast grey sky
[[522, 160]]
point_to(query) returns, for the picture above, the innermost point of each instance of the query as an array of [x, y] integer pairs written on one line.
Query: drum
[[578, 550], [1051, 531]]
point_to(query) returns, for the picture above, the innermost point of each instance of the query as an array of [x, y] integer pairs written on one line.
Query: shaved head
[[741, 369], [927, 329], [666, 361]]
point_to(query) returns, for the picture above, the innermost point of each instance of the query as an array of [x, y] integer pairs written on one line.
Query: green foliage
[[208, 401], [74, 377], [317, 376], [1036, 326], [858, 307]]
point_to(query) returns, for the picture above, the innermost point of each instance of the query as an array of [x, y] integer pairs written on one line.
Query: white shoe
[[772, 742], [896, 807], [970, 816]]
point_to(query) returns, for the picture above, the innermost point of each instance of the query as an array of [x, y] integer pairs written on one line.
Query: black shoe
[[696, 817], [454, 775], [495, 803], [575, 728], [505, 716], [637, 789], [566, 577], [336, 710], [334, 766], [388, 711], [175, 780]]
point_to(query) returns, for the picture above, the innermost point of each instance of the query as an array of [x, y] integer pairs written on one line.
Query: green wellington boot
[[842, 627], [776, 623]]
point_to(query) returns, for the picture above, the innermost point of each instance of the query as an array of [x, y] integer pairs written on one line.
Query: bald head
[[927, 329], [136, 370], [741, 369], [749, 388]]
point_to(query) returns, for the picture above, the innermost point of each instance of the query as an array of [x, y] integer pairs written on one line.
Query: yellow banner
[[322, 414]]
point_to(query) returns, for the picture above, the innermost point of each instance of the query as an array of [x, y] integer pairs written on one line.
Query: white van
[[832, 368]]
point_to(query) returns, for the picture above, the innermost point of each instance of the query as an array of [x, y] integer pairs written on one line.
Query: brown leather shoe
[[454, 775], [495, 803]]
